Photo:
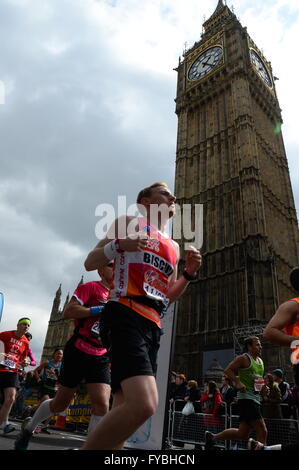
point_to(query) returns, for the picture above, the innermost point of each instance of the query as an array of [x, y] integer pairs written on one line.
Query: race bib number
[[258, 383], [95, 330], [8, 363], [155, 293]]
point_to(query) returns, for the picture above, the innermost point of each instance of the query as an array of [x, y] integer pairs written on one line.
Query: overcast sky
[[89, 114]]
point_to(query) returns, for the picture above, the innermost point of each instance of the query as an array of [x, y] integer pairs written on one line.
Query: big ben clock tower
[[231, 158]]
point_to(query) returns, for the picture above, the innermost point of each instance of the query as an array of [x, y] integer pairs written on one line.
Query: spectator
[[284, 388], [193, 395], [180, 390], [293, 401], [271, 398], [179, 393], [228, 393], [211, 401], [172, 384]]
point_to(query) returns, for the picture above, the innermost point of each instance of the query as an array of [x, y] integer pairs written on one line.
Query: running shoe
[[23, 438], [37, 429], [8, 428], [209, 441], [254, 445]]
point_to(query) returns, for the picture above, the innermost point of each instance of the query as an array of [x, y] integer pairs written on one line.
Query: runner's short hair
[[249, 342], [146, 192], [55, 351]]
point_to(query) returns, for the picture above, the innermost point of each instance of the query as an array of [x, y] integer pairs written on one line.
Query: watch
[[188, 277], [260, 68], [205, 63]]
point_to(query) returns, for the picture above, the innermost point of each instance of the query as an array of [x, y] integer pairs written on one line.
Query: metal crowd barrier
[[190, 430]]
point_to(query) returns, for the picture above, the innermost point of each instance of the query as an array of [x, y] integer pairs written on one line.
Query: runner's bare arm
[[96, 258], [37, 371], [192, 264], [240, 362], [285, 315], [74, 310]]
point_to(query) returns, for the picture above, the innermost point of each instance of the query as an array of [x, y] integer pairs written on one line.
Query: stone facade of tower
[[59, 329], [231, 158]]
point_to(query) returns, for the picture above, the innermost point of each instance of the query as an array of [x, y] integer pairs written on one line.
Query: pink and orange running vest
[[145, 273]]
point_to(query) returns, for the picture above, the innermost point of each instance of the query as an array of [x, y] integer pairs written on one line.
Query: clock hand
[[206, 63]]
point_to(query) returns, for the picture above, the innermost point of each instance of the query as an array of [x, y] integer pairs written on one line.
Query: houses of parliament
[[230, 158]]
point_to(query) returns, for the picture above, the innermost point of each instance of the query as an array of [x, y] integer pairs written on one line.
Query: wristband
[[110, 250], [96, 311], [188, 277], [117, 246]]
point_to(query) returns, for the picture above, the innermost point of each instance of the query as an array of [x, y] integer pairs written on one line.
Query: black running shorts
[[78, 366], [249, 410], [134, 342], [43, 391], [9, 379]]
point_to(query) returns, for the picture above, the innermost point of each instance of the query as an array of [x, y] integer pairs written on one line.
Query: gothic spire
[[81, 281], [56, 302], [219, 7], [218, 18]]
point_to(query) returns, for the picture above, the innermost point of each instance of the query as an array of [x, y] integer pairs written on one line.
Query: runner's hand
[[193, 260], [133, 243], [241, 387]]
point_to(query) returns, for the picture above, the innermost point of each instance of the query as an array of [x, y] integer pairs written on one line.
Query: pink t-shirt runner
[[91, 294]]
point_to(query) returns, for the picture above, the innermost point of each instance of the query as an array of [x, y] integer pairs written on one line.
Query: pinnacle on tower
[[56, 302], [219, 6], [66, 302]]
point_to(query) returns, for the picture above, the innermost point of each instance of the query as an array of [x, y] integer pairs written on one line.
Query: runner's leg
[[234, 434], [99, 396], [52, 406], [261, 431], [140, 402], [9, 398]]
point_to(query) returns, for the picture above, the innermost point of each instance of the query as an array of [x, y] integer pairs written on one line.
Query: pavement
[[59, 439]]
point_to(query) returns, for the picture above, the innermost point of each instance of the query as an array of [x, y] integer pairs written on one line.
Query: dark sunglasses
[[110, 265]]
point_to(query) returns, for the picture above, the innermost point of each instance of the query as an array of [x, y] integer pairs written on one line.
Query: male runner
[[16, 348], [283, 329], [84, 358], [249, 382], [145, 281]]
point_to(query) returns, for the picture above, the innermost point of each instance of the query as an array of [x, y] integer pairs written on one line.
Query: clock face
[[260, 67], [205, 63]]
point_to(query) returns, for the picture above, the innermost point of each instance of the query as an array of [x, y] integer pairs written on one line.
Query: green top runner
[[252, 378]]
